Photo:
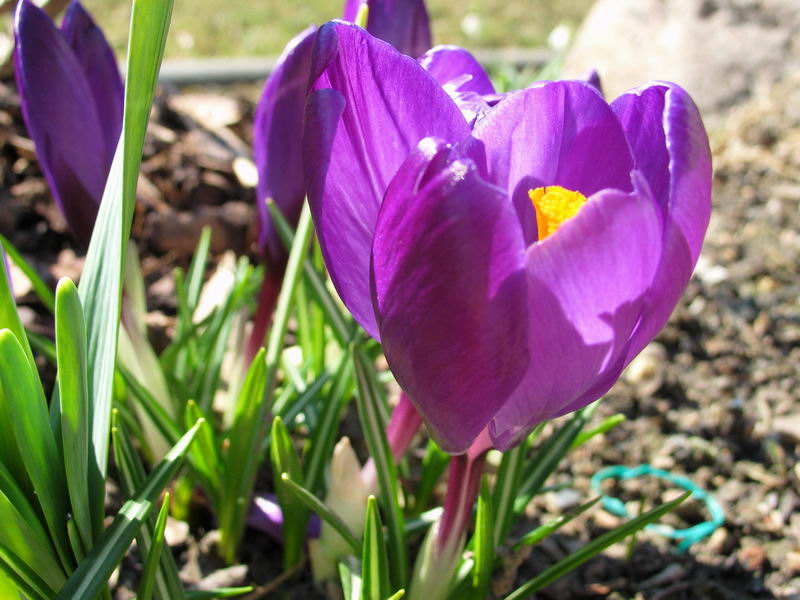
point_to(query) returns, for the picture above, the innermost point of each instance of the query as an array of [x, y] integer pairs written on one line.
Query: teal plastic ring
[[687, 536]]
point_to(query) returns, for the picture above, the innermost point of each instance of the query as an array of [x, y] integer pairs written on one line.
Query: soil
[[712, 398]]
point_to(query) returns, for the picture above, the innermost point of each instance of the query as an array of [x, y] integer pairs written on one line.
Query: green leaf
[[484, 543], [592, 549], [248, 430], [101, 282], [24, 576], [9, 318], [541, 532], [93, 572], [507, 485], [241, 460], [434, 463], [152, 563], [374, 561], [40, 288], [218, 593], [30, 423], [23, 535], [342, 326], [606, 425], [397, 595], [350, 578], [132, 476], [295, 516], [197, 269], [323, 437], [374, 432], [204, 455], [317, 506], [547, 457], [7, 587], [74, 403]]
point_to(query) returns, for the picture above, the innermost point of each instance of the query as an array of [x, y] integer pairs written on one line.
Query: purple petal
[[555, 133], [266, 515], [97, 60], [593, 79], [277, 141], [61, 117], [449, 289], [586, 287], [671, 148], [402, 23], [457, 69], [357, 133], [463, 78]]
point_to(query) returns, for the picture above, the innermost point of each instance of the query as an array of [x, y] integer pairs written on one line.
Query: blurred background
[[262, 27]]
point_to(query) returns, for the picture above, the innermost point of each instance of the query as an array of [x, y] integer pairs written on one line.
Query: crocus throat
[[554, 205]]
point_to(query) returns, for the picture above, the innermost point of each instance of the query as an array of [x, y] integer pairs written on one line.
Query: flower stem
[[267, 300], [442, 548]]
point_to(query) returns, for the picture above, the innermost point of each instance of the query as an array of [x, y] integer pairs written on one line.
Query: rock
[[753, 558], [176, 532], [788, 427], [716, 49], [672, 573], [563, 500], [646, 371], [793, 561], [210, 110]]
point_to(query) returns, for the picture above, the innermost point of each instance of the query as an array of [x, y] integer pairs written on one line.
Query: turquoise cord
[[687, 536]]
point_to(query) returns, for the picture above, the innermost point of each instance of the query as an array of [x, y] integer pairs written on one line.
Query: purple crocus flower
[[511, 271], [278, 126], [71, 95]]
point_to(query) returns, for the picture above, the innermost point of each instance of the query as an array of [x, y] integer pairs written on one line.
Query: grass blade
[[374, 432], [151, 565], [316, 505], [374, 562], [240, 462], [341, 325], [93, 572], [434, 463], [295, 516], [248, 430], [101, 282], [73, 391], [605, 425], [593, 548], [41, 289], [483, 543], [132, 476], [23, 576], [30, 423], [323, 437], [230, 592], [28, 541], [547, 457], [541, 532]]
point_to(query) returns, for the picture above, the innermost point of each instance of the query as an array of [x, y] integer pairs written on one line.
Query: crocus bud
[[70, 90], [347, 497]]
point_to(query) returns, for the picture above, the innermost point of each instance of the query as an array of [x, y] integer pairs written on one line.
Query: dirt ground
[[713, 398]]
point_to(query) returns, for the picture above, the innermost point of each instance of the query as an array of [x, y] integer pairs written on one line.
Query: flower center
[[554, 205]]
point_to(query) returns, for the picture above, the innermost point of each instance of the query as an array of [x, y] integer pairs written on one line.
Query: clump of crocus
[[510, 270], [278, 126], [71, 95]]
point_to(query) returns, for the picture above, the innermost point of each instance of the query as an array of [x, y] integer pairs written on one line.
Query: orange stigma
[[554, 205]]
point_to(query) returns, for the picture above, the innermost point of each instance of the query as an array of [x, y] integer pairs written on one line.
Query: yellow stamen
[[554, 205]]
